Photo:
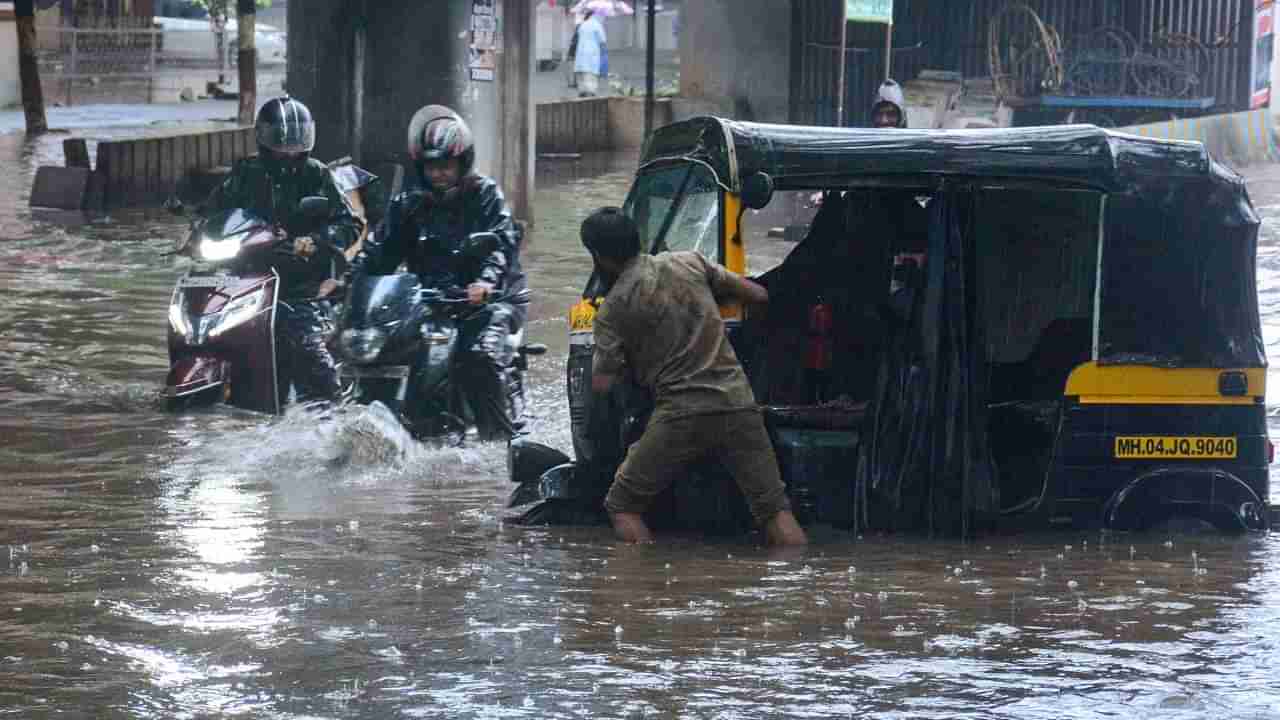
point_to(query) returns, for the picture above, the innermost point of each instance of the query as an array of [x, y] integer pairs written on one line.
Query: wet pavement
[[215, 564]]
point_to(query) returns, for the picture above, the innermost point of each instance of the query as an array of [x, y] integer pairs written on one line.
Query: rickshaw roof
[[796, 156]]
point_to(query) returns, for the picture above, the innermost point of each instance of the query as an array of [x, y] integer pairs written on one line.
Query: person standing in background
[[589, 41]]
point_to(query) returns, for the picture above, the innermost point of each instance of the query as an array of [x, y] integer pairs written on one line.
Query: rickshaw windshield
[[677, 208]]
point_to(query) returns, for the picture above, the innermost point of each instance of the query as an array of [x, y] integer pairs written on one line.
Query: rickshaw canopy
[[1081, 155], [1177, 272]]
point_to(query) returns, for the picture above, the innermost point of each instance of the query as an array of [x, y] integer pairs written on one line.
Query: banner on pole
[[873, 11]]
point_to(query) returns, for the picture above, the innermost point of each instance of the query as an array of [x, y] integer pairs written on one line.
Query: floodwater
[[216, 565]]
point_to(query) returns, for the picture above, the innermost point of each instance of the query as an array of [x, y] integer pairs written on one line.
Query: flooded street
[[215, 564]]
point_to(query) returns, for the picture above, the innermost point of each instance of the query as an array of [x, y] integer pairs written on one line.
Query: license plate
[[1160, 447], [383, 371], [206, 281]]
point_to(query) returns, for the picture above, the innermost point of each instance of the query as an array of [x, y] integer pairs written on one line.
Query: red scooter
[[222, 341]]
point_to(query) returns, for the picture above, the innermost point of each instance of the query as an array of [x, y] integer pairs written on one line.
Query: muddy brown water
[[214, 565]]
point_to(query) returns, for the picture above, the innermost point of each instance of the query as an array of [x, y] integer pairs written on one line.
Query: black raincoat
[[427, 233], [303, 324]]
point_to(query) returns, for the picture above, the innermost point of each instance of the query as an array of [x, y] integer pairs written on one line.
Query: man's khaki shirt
[[661, 324]]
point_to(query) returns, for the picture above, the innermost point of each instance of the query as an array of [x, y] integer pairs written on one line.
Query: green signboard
[[876, 11]]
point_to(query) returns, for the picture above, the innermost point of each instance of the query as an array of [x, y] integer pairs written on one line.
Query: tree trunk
[[29, 68], [247, 60]]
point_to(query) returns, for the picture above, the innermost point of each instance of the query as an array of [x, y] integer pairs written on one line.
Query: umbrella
[[603, 8]]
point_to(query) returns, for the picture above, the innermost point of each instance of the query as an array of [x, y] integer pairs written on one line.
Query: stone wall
[[595, 124], [10, 89]]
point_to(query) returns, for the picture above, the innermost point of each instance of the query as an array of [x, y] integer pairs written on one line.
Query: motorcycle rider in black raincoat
[[426, 227], [271, 184]]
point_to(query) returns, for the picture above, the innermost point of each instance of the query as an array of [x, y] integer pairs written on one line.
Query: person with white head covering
[[889, 110]]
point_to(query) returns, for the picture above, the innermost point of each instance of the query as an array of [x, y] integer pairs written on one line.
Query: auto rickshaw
[[981, 330]]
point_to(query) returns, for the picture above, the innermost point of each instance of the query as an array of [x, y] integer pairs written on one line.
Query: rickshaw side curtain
[[924, 462], [1178, 280]]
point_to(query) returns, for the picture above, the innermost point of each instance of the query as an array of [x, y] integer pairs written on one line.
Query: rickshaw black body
[[1081, 348]]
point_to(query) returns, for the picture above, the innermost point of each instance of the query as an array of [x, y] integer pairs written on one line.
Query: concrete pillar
[[414, 54], [735, 58], [517, 166]]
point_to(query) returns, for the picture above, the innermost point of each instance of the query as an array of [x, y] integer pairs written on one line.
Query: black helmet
[[437, 133], [284, 125]]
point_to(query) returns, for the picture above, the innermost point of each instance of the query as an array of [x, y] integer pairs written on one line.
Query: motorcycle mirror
[[482, 244], [314, 207]]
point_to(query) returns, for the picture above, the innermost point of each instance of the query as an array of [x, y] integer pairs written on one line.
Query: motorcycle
[[399, 343], [222, 314]]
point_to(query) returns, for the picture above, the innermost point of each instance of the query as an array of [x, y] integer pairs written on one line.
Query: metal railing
[[141, 64]]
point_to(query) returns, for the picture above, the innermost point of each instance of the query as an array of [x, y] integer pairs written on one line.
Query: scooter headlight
[[212, 250], [362, 346], [236, 312]]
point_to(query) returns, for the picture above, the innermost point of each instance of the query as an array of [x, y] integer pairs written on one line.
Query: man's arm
[[383, 251], [609, 359], [492, 215], [228, 194], [731, 287], [343, 227], [736, 287]]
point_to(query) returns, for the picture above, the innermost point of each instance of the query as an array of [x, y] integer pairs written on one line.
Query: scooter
[[399, 345], [222, 313]]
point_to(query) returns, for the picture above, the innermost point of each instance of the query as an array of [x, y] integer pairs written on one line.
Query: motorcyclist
[[426, 227], [271, 184], [889, 110]]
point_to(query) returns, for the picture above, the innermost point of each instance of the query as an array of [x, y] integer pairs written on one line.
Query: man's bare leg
[[783, 529], [630, 527]]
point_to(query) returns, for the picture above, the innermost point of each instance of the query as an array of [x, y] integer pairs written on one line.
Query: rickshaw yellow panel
[[1144, 385]]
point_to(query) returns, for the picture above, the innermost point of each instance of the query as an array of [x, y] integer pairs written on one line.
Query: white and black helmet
[[437, 132], [285, 125]]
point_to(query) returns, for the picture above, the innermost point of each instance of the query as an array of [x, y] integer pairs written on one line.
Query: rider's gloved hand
[[478, 292]]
